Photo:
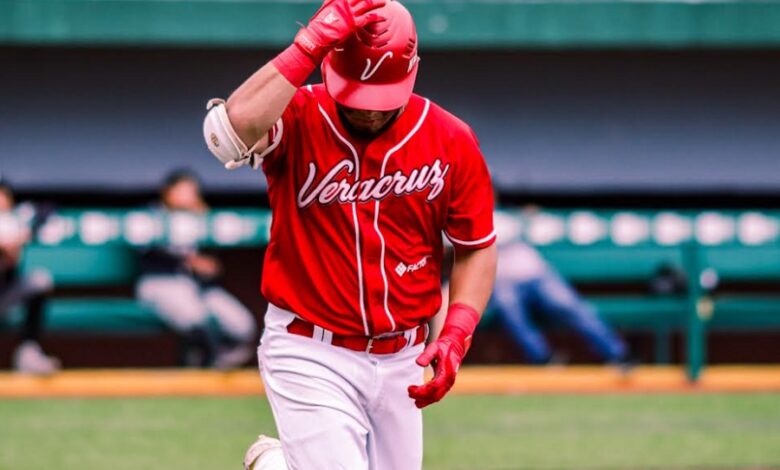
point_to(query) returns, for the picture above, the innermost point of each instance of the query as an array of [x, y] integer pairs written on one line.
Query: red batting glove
[[334, 22], [446, 355]]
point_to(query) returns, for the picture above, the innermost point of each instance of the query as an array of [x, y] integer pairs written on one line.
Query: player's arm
[[470, 229], [473, 274], [258, 103], [237, 130]]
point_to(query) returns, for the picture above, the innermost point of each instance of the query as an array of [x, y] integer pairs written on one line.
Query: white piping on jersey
[[354, 218], [376, 206], [473, 242], [278, 132]]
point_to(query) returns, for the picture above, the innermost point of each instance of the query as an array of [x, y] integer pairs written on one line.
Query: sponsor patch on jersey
[[402, 268]]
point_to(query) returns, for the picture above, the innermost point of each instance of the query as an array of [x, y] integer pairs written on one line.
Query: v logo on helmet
[[412, 62], [368, 72]]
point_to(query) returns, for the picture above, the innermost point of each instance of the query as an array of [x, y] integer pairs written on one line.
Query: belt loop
[[322, 335], [410, 336], [318, 333], [327, 336]]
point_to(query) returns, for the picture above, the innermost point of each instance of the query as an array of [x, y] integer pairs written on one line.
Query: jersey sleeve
[[282, 132], [470, 213]]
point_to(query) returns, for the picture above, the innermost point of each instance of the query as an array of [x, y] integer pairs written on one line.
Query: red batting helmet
[[377, 78]]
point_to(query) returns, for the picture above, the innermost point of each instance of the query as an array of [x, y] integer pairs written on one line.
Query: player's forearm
[[472, 280], [237, 131], [473, 274], [258, 103]]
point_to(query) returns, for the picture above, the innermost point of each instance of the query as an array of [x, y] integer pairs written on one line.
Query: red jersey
[[356, 239]]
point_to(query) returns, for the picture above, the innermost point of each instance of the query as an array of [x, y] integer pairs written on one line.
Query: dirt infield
[[471, 380]]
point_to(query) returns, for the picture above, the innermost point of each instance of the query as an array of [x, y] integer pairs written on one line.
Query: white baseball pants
[[340, 409]]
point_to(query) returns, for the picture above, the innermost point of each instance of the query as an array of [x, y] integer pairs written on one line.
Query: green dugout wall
[[613, 248]]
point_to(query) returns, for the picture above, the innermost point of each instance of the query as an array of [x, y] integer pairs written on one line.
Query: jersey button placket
[[371, 166], [373, 278]]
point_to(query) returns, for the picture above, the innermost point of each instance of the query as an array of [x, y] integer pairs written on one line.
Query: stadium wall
[[116, 119]]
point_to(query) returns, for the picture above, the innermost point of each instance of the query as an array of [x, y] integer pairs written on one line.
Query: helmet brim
[[368, 96]]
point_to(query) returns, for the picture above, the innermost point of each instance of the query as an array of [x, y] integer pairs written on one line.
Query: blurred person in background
[[529, 291], [28, 290], [182, 286]]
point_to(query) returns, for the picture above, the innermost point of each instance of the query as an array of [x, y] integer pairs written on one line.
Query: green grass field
[[464, 432]]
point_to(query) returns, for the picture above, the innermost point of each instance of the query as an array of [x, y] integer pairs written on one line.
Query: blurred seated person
[[28, 290], [182, 286], [528, 290]]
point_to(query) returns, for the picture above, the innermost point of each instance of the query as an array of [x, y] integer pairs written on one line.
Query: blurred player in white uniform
[[28, 290], [182, 285]]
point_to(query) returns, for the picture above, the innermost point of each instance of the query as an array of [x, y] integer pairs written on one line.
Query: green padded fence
[[724, 234], [90, 247]]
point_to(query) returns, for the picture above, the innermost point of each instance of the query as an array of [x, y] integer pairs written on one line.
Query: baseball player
[[363, 178], [182, 285], [18, 225], [528, 288]]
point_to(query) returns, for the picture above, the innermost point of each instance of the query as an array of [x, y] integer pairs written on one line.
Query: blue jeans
[[551, 298]]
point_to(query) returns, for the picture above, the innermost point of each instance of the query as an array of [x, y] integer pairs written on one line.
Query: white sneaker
[[234, 357], [259, 452], [29, 358]]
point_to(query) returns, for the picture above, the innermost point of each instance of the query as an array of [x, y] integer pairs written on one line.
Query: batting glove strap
[[460, 324]]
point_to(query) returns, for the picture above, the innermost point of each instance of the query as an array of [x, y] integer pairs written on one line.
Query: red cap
[[361, 76]]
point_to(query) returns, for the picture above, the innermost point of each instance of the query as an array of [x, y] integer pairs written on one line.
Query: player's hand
[[336, 21], [205, 266], [445, 355]]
